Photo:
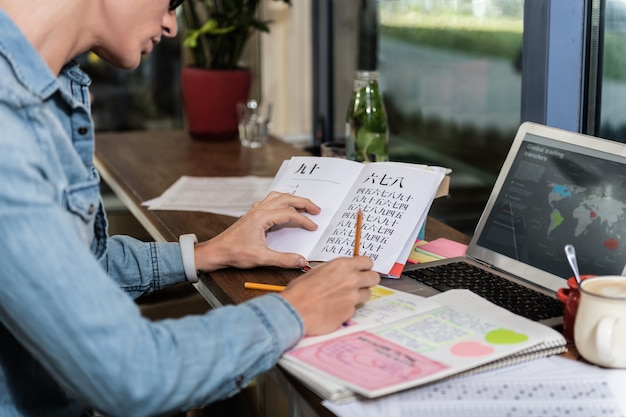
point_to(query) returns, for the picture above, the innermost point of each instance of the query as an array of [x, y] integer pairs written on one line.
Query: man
[[71, 338]]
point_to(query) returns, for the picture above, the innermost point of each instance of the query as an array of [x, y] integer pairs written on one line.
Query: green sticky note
[[505, 337]]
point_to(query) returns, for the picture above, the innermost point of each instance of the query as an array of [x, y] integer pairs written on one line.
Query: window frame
[[561, 65]]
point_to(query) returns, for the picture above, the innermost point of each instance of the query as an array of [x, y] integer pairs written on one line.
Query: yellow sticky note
[[378, 292]]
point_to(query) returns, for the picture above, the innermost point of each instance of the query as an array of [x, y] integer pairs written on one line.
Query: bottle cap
[[368, 36]]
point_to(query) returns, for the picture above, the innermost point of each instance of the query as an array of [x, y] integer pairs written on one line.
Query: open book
[[395, 199], [398, 340]]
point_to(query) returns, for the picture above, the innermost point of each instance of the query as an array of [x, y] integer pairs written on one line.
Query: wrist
[[187, 243]]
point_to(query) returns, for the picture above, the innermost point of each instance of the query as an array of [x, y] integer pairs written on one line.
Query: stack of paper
[[546, 387], [441, 248], [232, 196]]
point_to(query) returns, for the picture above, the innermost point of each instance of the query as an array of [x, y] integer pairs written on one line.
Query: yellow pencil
[[357, 234], [264, 287]]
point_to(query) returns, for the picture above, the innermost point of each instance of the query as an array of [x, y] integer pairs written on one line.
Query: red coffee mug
[[569, 297]]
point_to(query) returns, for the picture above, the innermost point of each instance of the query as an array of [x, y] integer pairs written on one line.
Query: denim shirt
[[71, 336]]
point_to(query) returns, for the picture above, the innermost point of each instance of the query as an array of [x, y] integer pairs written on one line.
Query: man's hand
[[328, 294], [243, 245]]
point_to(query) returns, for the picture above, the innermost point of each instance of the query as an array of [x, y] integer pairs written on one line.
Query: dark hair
[[175, 3]]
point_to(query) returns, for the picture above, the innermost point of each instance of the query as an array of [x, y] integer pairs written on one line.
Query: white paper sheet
[[235, 195], [551, 386]]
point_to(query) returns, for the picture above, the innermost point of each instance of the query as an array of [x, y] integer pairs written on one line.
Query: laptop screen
[[557, 192]]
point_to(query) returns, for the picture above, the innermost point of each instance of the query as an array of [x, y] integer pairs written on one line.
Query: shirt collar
[[29, 67]]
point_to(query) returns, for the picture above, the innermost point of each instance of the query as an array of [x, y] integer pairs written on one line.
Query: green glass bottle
[[367, 132]]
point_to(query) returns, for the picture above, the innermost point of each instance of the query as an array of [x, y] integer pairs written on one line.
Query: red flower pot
[[210, 98]]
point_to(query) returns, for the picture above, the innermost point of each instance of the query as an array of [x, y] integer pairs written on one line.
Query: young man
[[71, 338]]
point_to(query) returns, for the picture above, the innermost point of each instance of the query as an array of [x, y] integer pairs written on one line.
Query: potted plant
[[216, 32]]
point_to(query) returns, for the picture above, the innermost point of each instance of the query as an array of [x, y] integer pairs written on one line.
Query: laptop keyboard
[[514, 297]]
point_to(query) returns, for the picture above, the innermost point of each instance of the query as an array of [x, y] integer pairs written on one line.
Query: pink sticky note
[[445, 247]]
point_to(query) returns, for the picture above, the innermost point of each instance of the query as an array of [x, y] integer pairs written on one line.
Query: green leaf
[[371, 146], [217, 30]]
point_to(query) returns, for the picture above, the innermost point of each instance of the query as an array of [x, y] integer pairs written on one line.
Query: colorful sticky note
[[471, 349], [505, 337]]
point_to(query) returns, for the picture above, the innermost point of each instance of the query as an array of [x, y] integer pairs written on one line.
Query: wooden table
[[139, 166]]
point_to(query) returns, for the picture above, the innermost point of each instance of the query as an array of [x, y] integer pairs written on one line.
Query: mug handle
[[604, 338], [562, 294]]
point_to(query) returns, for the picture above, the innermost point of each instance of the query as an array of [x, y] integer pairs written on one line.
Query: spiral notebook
[[398, 340]]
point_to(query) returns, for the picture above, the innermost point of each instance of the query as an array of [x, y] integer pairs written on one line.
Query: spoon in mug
[[570, 252]]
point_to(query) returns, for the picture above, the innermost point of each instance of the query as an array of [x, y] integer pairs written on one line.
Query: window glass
[[145, 98], [613, 93], [450, 71]]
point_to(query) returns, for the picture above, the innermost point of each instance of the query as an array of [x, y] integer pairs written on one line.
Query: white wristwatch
[[187, 242]]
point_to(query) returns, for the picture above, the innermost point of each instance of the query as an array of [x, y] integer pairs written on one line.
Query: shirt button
[[92, 208], [83, 130], [240, 380]]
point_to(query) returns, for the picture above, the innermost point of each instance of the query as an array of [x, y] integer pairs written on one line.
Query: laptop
[[555, 188]]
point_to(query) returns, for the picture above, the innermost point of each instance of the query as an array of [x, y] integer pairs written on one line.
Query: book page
[[325, 181], [394, 199], [403, 257]]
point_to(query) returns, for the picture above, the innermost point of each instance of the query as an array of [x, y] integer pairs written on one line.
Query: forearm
[[142, 267], [103, 353], [174, 365]]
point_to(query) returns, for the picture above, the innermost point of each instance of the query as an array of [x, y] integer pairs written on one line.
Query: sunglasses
[[175, 3]]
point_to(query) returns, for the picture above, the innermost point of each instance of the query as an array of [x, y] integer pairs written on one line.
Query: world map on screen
[[594, 207]]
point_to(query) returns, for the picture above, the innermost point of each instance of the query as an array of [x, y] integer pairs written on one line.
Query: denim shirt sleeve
[[142, 267]]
